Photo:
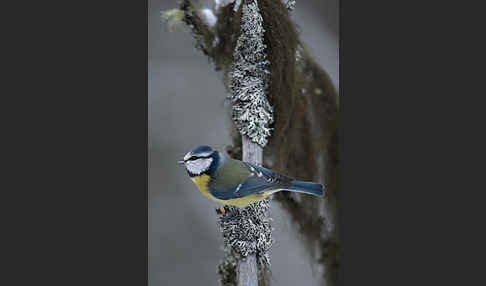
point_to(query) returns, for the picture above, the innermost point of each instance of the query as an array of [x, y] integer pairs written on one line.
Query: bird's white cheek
[[198, 166]]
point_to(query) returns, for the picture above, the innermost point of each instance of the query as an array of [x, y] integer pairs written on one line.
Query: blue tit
[[236, 183]]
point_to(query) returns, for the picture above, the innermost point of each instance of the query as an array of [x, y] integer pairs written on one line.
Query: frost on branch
[[250, 77], [208, 17]]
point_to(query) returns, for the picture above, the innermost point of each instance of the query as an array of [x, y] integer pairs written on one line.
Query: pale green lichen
[[173, 17]]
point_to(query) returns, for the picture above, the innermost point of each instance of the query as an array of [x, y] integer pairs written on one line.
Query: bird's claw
[[221, 210]]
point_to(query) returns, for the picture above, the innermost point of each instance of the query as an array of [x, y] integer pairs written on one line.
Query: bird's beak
[[180, 161]]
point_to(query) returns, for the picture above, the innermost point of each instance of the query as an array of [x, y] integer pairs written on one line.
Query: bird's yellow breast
[[202, 182]]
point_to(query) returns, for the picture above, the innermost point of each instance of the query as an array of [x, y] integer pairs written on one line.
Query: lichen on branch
[[290, 4], [250, 77], [246, 231]]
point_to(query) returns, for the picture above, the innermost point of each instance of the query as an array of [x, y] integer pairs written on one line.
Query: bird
[[237, 183]]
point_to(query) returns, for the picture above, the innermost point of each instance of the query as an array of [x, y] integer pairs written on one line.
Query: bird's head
[[201, 160]]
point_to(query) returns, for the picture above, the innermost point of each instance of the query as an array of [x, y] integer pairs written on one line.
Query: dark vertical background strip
[[406, 100], [75, 143]]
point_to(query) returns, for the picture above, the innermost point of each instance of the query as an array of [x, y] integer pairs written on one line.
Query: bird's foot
[[221, 210]]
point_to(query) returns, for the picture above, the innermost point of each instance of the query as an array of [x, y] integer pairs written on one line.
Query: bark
[[247, 268]]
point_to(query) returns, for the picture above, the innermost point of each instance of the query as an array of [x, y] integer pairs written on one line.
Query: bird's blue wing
[[258, 180]]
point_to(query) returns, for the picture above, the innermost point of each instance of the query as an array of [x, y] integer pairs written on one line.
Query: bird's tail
[[306, 187]]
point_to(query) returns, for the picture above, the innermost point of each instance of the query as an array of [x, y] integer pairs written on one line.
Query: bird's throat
[[202, 182]]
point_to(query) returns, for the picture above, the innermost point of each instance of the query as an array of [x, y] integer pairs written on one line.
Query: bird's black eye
[[192, 158]]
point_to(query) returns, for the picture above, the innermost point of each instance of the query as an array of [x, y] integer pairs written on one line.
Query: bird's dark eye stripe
[[195, 158]]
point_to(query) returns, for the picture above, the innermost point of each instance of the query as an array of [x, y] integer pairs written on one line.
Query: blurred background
[[187, 107]]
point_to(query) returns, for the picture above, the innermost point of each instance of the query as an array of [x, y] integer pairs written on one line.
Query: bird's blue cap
[[201, 149]]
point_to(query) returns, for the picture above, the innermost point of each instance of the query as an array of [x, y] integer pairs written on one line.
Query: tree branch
[[246, 274]]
